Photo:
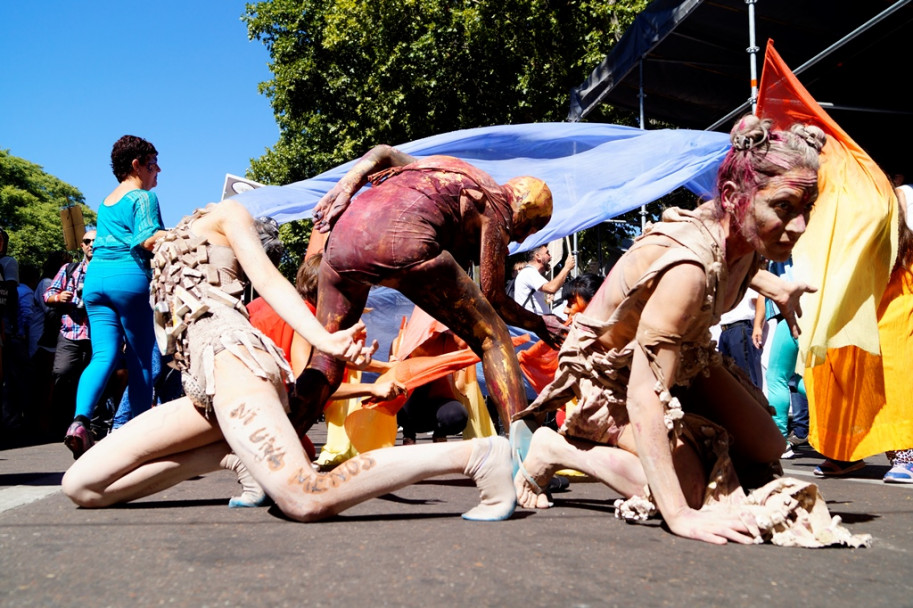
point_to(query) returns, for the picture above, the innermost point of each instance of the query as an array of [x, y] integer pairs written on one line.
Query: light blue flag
[[595, 171]]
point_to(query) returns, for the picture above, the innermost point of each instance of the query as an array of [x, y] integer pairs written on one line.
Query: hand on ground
[[715, 526]]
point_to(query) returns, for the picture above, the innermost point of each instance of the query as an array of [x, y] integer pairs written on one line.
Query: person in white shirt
[[531, 286]]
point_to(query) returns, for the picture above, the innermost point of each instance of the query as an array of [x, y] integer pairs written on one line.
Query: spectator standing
[[736, 336], [117, 289], [531, 286], [73, 349]]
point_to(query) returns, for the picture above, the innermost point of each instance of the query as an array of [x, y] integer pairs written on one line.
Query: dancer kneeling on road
[[236, 385], [656, 406]]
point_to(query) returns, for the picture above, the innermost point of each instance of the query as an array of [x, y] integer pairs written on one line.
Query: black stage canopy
[[852, 55]]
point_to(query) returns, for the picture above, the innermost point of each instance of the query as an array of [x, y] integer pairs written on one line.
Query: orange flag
[[847, 252]]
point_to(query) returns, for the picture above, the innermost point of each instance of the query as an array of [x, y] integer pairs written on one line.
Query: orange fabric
[[538, 363], [420, 328], [418, 371], [856, 328], [864, 405], [267, 320], [855, 219]]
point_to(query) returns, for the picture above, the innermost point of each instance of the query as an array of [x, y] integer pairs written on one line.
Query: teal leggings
[[784, 350], [117, 302]]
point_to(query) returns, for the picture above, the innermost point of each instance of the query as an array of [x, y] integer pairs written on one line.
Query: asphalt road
[[184, 547]]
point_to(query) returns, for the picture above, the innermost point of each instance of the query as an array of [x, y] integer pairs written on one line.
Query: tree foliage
[[30, 203], [349, 74]]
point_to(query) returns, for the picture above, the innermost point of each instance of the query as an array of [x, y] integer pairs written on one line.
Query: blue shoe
[[521, 433], [901, 472]]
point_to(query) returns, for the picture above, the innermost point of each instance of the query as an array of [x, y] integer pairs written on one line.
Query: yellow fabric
[[338, 448], [855, 331], [479, 424], [849, 247], [370, 429], [861, 404]]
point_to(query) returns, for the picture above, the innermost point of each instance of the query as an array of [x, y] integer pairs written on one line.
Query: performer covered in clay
[[236, 385], [416, 230], [661, 420]]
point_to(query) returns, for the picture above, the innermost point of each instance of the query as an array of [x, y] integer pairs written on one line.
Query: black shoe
[[558, 484]]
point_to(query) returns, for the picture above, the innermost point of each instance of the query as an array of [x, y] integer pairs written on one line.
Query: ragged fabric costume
[[196, 299], [598, 377]]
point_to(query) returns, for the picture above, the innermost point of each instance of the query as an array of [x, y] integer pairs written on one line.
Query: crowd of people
[[644, 402]]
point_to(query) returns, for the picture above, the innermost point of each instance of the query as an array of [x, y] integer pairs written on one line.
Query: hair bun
[[812, 135], [749, 132]]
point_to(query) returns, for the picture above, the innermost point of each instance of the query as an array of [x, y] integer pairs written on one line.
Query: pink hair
[[760, 153]]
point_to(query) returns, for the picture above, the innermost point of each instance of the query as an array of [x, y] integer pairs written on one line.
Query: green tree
[[349, 74], [30, 203]]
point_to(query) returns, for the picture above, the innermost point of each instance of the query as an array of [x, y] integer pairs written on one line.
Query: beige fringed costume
[[790, 512], [196, 297]]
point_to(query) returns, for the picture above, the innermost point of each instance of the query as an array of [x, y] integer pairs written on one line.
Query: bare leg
[[442, 289], [340, 304], [156, 450], [721, 398], [548, 452], [250, 414]]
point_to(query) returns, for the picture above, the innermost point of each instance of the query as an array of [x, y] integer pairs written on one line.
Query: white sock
[[252, 495], [489, 467]]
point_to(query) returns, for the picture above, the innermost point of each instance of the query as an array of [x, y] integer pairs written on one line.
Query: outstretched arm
[[493, 252], [555, 284], [677, 483], [784, 294], [334, 202], [237, 226]]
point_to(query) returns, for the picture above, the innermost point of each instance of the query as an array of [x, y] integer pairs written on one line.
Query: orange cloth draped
[[418, 371], [850, 326], [372, 424], [538, 363], [863, 402]]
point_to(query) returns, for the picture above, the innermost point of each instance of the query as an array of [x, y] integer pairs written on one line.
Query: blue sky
[[75, 75]]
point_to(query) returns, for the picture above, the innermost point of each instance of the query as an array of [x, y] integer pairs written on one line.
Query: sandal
[[521, 433], [838, 468]]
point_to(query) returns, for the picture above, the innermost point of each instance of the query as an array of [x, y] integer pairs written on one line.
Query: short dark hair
[[531, 254], [585, 286], [125, 150]]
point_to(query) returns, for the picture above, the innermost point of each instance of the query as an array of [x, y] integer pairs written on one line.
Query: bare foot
[[537, 469]]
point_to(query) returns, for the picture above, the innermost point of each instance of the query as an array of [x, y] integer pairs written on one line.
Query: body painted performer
[[236, 383], [416, 230], [656, 404]]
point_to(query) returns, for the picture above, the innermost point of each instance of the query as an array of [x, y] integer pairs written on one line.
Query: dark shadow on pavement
[[171, 504], [31, 479]]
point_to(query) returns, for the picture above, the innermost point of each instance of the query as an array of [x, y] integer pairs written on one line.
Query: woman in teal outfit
[[116, 291]]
